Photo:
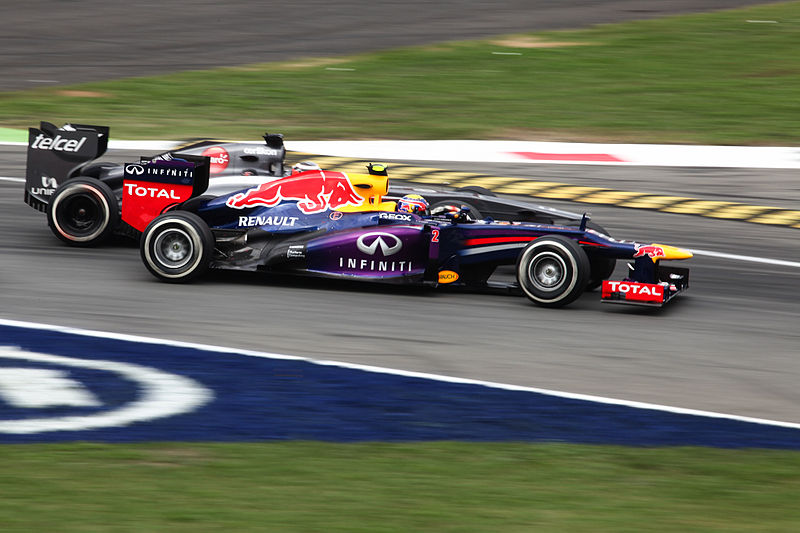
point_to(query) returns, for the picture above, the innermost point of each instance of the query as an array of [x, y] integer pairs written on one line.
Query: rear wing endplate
[[56, 155]]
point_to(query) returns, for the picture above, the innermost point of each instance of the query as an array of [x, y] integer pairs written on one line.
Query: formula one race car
[[331, 224], [83, 198]]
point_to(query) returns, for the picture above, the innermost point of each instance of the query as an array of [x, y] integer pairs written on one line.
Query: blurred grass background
[[387, 487], [730, 77]]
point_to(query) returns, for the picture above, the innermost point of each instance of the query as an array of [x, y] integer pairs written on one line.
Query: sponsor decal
[[632, 290], [134, 170], [395, 216], [142, 201], [267, 221], [296, 251], [159, 171], [48, 187], [57, 143], [447, 276], [133, 189], [259, 150], [352, 263], [652, 250], [314, 191], [335, 215], [219, 158], [370, 243]]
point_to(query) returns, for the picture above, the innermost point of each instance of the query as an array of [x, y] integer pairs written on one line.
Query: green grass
[[708, 78], [442, 487]]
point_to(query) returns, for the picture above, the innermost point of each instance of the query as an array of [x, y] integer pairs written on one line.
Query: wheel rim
[[81, 215], [173, 248], [547, 272]]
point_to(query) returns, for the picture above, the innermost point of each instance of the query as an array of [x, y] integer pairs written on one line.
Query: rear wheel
[[553, 271], [83, 212], [176, 247]]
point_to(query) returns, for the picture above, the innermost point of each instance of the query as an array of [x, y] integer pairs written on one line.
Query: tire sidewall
[[572, 260], [98, 193], [177, 223]]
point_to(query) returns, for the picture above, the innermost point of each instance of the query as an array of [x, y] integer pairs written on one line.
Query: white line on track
[[381, 370], [779, 262], [17, 180]]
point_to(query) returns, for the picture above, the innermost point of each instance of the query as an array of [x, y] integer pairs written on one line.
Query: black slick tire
[[553, 271], [176, 247], [83, 212]]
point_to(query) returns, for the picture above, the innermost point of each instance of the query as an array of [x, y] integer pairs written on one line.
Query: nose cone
[[673, 252], [656, 252]]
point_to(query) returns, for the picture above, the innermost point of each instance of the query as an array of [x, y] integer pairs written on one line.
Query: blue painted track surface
[[260, 398]]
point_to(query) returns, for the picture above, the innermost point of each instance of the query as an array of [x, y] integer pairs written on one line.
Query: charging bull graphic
[[315, 191], [651, 249]]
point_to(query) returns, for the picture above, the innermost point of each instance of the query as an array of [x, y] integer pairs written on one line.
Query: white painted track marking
[[391, 371], [17, 180], [37, 388], [734, 257], [161, 394]]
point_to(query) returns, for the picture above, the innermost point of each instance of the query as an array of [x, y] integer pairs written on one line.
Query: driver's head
[[303, 166], [412, 203]]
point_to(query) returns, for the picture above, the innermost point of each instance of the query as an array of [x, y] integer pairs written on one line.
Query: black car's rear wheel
[[83, 212], [176, 247], [553, 271]]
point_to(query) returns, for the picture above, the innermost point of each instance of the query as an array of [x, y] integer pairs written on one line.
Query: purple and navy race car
[[336, 225]]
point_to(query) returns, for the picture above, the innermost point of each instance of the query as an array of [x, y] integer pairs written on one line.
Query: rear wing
[[153, 186], [58, 154]]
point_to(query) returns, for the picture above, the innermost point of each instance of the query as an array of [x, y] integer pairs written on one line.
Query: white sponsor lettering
[[42, 142], [636, 288], [48, 187], [160, 395], [147, 170], [38, 388], [132, 189], [395, 216], [352, 263], [259, 150], [267, 221]]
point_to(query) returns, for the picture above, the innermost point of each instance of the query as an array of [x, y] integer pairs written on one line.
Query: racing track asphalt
[[730, 344], [53, 42]]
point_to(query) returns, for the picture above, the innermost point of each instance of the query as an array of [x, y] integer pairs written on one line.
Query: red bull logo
[[652, 250], [315, 191]]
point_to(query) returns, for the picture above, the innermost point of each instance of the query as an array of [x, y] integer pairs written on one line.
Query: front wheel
[[553, 271], [83, 212], [176, 247]]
